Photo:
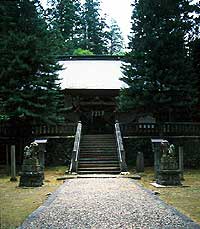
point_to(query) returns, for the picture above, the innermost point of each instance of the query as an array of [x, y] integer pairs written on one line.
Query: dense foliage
[[29, 87], [65, 17], [158, 68], [82, 26], [95, 35], [116, 45]]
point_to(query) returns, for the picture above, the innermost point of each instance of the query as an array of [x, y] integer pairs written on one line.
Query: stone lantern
[[32, 174]]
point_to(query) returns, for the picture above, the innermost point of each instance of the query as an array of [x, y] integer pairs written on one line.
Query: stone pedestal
[[31, 175], [168, 177]]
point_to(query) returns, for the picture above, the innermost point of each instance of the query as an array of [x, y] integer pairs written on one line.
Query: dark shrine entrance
[[95, 108], [97, 122]]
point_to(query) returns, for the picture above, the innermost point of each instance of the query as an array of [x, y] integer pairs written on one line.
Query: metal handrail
[[120, 148], [76, 149]]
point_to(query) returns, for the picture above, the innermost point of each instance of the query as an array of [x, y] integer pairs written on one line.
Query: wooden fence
[[38, 131], [131, 129], [161, 129]]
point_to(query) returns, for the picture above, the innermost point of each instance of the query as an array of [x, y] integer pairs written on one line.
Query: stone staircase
[[98, 155]]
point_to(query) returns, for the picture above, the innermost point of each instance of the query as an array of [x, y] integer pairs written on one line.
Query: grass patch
[[17, 203], [186, 199]]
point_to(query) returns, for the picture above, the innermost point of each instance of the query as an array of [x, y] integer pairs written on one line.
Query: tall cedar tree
[[195, 58], [95, 34], [29, 88], [115, 39], [66, 18], [157, 68]]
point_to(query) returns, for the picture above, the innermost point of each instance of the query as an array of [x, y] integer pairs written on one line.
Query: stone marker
[[156, 143], [181, 165], [41, 151], [13, 164], [140, 162], [32, 174]]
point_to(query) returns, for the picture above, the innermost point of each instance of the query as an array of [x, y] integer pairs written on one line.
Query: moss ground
[[17, 203]]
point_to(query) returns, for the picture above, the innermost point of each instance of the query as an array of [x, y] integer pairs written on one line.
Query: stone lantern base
[[169, 177], [31, 179], [32, 174]]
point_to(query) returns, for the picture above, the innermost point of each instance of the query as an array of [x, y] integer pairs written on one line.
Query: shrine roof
[[91, 74]]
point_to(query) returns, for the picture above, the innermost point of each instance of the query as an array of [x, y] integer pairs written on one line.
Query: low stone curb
[[135, 177]]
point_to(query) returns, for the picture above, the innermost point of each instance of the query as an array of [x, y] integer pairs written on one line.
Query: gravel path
[[105, 204]]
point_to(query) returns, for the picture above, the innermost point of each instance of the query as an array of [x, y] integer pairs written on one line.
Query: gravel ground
[[107, 203]]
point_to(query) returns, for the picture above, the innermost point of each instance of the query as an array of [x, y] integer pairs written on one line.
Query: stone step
[[101, 158], [98, 143], [99, 172], [98, 139], [85, 149], [98, 159], [98, 162], [102, 162], [99, 168], [99, 149], [89, 155], [97, 155], [94, 145], [95, 165], [98, 136]]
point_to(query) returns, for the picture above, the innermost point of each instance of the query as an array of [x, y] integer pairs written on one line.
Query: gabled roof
[[91, 74]]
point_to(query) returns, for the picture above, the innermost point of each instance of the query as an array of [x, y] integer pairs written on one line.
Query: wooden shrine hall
[[91, 85]]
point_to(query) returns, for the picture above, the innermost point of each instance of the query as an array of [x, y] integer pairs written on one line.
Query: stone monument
[[32, 174], [168, 173], [140, 162]]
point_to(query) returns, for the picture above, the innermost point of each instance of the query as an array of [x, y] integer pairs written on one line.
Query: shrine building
[[91, 86]]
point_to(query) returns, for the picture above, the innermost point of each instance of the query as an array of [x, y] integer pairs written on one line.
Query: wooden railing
[[60, 130], [130, 129], [76, 150], [37, 131], [120, 148], [161, 129]]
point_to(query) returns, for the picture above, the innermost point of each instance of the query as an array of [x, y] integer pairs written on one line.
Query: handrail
[[120, 148], [76, 149]]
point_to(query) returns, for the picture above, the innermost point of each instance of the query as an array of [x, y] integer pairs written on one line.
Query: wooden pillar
[[7, 160], [180, 151], [13, 164]]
